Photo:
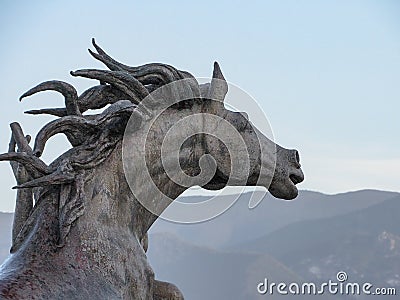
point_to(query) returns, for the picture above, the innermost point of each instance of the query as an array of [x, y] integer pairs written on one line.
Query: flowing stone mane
[[93, 137]]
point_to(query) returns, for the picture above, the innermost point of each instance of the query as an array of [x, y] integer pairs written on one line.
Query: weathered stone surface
[[86, 235]]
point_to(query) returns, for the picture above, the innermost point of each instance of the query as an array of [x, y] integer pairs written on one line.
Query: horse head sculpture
[[80, 227]]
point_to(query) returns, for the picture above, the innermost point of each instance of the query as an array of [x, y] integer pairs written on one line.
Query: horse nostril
[[294, 157]]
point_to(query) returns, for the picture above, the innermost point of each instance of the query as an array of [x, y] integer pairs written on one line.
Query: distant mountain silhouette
[[239, 223], [308, 239], [204, 273], [364, 243], [315, 237]]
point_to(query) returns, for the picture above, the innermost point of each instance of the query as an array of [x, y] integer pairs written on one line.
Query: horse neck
[[105, 236], [110, 206], [112, 220]]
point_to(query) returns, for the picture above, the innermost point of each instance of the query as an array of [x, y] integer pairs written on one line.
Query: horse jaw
[[287, 174]]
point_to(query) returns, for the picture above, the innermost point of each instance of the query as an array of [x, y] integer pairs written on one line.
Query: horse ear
[[218, 87]]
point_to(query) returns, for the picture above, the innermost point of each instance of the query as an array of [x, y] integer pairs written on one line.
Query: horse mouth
[[295, 179], [285, 187]]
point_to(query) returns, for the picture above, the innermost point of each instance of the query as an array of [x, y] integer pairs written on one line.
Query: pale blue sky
[[327, 73]]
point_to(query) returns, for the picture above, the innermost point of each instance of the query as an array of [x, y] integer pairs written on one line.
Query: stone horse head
[[80, 227]]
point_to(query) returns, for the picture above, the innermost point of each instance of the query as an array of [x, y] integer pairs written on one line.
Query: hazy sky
[[327, 73]]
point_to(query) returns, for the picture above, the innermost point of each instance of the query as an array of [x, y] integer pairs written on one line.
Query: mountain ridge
[[240, 222], [310, 239]]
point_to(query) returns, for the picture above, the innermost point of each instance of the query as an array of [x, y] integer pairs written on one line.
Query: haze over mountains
[[310, 239], [239, 223], [364, 243]]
